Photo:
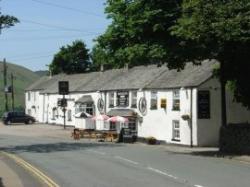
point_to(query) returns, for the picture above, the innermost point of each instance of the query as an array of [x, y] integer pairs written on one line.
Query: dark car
[[17, 117]]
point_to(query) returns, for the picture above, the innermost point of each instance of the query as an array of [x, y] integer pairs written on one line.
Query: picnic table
[[91, 133]]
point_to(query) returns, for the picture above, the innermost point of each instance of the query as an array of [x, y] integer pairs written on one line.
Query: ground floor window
[[85, 107], [69, 115], [54, 113], [176, 130], [112, 125], [29, 111]]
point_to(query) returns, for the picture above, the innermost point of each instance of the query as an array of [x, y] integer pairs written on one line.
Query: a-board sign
[[63, 87], [203, 104]]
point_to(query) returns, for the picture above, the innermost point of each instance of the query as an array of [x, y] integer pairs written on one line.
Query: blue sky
[[46, 25]]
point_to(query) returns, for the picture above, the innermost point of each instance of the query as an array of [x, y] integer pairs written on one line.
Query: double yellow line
[[31, 169]]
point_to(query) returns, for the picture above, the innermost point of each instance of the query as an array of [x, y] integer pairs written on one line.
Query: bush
[[151, 140]]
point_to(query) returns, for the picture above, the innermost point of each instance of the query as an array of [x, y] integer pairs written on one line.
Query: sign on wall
[[122, 98], [164, 103], [204, 104]]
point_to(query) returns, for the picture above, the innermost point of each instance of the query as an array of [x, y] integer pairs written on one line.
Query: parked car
[[17, 117]]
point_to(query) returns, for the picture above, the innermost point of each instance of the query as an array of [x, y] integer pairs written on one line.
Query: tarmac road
[[97, 164]]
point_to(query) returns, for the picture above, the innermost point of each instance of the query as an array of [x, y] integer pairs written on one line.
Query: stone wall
[[235, 139]]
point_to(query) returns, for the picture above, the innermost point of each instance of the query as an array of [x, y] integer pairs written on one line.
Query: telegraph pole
[[12, 91], [5, 84]]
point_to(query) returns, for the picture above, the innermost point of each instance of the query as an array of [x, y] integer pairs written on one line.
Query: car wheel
[[8, 122], [29, 121]]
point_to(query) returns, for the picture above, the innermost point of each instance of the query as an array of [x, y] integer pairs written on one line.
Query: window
[[112, 125], [153, 101], [176, 100], [54, 113], [29, 111], [28, 96], [111, 100], [85, 107], [69, 115], [176, 130], [134, 100]]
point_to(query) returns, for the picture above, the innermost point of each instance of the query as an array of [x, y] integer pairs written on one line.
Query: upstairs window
[[153, 104], [134, 100], [28, 96], [176, 100], [111, 99]]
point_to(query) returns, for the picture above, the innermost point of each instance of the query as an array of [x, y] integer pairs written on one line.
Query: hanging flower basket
[[185, 117]]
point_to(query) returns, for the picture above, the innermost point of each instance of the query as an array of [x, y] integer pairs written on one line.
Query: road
[[98, 164]]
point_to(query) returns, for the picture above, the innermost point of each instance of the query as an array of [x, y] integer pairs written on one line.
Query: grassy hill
[[23, 78], [42, 73]]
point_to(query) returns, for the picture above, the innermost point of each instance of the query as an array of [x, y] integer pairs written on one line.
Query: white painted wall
[[32, 104], [159, 123], [208, 129]]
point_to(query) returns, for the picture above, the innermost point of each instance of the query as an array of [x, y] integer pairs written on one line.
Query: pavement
[[10, 177]]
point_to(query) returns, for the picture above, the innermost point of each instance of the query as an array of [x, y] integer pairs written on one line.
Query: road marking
[[127, 160], [97, 152], [198, 185], [31, 169], [162, 172]]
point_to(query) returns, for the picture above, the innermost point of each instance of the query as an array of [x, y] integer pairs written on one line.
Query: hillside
[[42, 73], [23, 78]]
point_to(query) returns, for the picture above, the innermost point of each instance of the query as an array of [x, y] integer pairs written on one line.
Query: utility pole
[[5, 84], [12, 91]]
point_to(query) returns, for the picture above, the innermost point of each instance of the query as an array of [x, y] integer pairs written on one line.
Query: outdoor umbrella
[[118, 119], [101, 117]]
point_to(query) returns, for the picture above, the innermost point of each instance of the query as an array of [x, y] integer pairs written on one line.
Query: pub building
[[174, 107]]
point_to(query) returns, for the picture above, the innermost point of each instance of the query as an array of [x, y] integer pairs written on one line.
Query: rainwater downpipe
[[191, 117]]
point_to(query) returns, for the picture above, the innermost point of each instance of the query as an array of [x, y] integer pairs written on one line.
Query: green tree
[[7, 21], [71, 59], [138, 33], [217, 29]]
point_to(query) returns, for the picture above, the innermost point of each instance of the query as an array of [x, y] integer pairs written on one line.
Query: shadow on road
[[1, 182], [57, 147]]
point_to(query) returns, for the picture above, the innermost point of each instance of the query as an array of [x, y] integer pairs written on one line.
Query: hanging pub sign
[[204, 104], [122, 98], [100, 105], [143, 105], [63, 87]]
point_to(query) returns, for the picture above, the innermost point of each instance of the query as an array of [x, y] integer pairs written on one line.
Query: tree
[[138, 33], [218, 29], [71, 59], [7, 21]]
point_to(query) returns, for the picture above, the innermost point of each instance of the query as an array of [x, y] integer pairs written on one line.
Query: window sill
[[175, 110], [176, 140]]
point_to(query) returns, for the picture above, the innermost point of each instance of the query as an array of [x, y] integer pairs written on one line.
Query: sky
[[47, 25]]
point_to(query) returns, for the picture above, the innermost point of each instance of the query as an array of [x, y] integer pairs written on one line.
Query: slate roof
[[140, 77], [191, 76]]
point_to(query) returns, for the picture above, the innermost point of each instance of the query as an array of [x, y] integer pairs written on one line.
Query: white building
[[174, 107]]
